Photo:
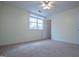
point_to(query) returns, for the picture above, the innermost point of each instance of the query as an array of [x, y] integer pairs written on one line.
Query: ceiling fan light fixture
[[46, 7], [43, 5], [47, 4]]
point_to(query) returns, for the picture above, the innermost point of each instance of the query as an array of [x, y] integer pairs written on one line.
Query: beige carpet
[[43, 48]]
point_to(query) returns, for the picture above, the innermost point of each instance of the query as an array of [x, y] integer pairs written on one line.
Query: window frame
[[36, 23]]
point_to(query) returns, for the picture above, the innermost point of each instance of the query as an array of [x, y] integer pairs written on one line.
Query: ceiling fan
[[47, 4]]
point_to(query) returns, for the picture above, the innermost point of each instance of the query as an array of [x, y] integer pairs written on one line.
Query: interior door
[[77, 28]]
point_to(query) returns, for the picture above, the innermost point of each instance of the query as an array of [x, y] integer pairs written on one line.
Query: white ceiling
[[34, 6]]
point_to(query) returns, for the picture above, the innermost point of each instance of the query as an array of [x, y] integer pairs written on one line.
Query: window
[[36, 23]]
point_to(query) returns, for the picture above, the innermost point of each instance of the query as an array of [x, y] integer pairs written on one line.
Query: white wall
[[15, 26], [65, 26]]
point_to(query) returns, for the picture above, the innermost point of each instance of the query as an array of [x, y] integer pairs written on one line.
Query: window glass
[[40, 21], [40, 26], [36, 23], [33, 19], [32, 25]]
